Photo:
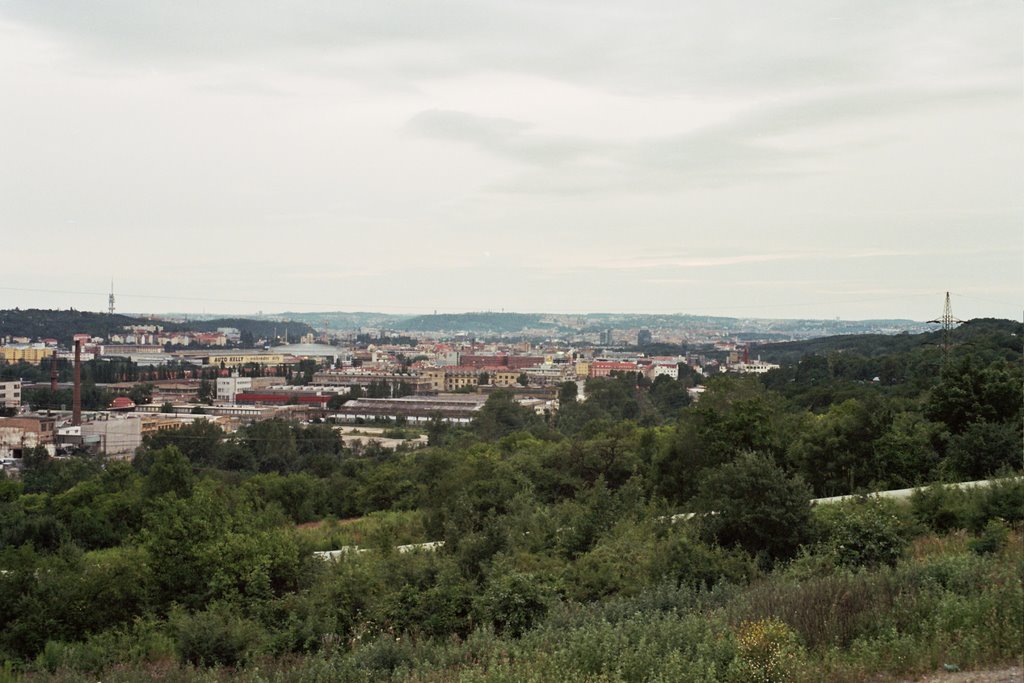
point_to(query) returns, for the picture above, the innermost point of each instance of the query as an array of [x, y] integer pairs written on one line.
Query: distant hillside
[[340, 320], [257, 328], [512, 323], [990, 333], [477, 323], [61, 325]]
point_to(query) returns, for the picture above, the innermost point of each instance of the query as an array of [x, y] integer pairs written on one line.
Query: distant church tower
[[110, 299]]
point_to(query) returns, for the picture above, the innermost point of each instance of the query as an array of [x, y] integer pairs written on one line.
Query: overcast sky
[[782, 159]]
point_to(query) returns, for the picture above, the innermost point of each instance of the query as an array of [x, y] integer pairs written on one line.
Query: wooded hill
[[991, 334], [62, 324]]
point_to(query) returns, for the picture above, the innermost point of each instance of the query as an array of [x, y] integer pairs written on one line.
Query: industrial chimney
[[76, 414], [53, 376]]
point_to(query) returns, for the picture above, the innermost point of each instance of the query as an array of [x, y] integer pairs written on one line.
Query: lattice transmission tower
[[947, 321]]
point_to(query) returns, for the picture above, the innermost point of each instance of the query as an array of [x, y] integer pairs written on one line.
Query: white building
[[230, 387], [656, 370], [116, 436], [10, 394], [757, 367]]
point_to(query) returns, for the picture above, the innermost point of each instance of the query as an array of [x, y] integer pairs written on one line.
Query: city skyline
[[804, 160]]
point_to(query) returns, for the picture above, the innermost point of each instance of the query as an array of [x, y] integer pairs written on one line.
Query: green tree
[[836, 451], [273, 445], [206, 392], [982, 449], [166, 470], [668, 396], [967, 394], [754, 504], [501, 415], [201, 442], [141, 394]]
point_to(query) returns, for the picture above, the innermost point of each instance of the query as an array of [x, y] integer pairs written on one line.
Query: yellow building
[[505, 378], [232, 361], [461, 378], [13, 354], [582, 368], [435, 376]]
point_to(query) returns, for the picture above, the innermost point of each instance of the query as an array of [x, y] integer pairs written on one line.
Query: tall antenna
[[110, 299], [947, 321]]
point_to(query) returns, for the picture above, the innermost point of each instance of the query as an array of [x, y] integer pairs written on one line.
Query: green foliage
[[501, 416], [273, 445], [165, 471], [216, 636], [205, 548], [984, 448], [302, 497], [141, 642], [968, 394], [752, 503], [835, 451], [768, 651], [944, 508], [512, 603], [43, 474], [733, 416], [992, 539], [940, 508], [668, 396], [864, 532], [199, 441]]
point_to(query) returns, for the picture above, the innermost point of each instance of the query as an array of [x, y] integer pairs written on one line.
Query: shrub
[[756, 506], [992, 539], [1003, 499], [143, 641], [512, 603], [865, 532], [216, 636], [768, 652], [944, 508], [688, 561], [939, 508]]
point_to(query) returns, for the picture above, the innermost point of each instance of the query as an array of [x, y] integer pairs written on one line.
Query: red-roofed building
[[122, 403], [604, 368]]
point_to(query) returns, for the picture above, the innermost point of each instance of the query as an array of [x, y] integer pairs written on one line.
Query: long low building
[[362, 378], [452, 408]]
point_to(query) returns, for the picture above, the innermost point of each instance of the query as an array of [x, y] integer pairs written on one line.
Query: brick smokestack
[[76, 414], [53, 375]]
